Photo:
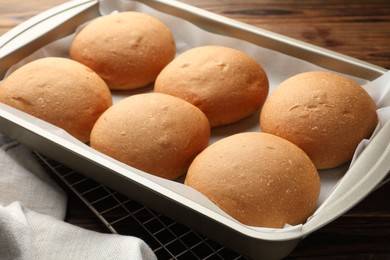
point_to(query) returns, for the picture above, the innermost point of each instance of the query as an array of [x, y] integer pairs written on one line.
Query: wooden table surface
[[360, 29]]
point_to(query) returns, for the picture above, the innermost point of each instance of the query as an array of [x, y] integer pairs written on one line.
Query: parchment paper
[[277, 66]]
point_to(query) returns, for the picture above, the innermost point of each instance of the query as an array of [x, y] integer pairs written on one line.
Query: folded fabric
[[32, 209], [23, 179]]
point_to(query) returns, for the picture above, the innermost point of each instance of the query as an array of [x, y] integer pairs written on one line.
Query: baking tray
[[366, 173]]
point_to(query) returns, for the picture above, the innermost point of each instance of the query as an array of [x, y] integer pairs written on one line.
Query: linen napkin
[[32, 209]]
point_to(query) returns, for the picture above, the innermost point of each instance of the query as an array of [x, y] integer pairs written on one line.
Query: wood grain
[[358, 28]]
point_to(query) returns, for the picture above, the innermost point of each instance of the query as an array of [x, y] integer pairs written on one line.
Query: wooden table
[[360, 29]]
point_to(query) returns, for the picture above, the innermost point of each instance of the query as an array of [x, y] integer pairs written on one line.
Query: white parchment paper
[[277, 66]]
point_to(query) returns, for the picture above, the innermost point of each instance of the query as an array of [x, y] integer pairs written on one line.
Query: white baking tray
[[368, 170]]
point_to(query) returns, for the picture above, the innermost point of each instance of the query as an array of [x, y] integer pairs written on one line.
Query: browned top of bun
[[60, 91], [126, 49], [156, 133], [325, 114], [226, 84], [257, 178]]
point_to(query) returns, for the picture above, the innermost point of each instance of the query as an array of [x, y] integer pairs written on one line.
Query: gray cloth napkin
[[32, 209]]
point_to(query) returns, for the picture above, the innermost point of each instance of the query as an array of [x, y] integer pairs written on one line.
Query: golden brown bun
[[226, 84], [126, 49], [60, 91], [325, 114], [156, 133], [257, 178]]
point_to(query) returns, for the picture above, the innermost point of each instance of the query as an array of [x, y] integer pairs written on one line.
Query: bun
[[128, 50], [60, 91], [325, 114], [156, 133], [259, 179], [226, 84]]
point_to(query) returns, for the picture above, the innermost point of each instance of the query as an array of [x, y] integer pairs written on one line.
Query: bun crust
[[156, 133], [128, 50], [325, 114], [60, 91], [257, 178], [226, 84]]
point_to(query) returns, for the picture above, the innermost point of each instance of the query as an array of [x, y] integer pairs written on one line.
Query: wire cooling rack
[[122, 215]]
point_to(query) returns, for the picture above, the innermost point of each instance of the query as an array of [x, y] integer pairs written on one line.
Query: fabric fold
[[32, 210]]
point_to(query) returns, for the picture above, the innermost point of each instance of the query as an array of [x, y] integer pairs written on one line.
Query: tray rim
[[23, 121], [202, 18]]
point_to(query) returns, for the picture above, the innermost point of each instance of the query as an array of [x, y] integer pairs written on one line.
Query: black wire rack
[[122, 215]]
